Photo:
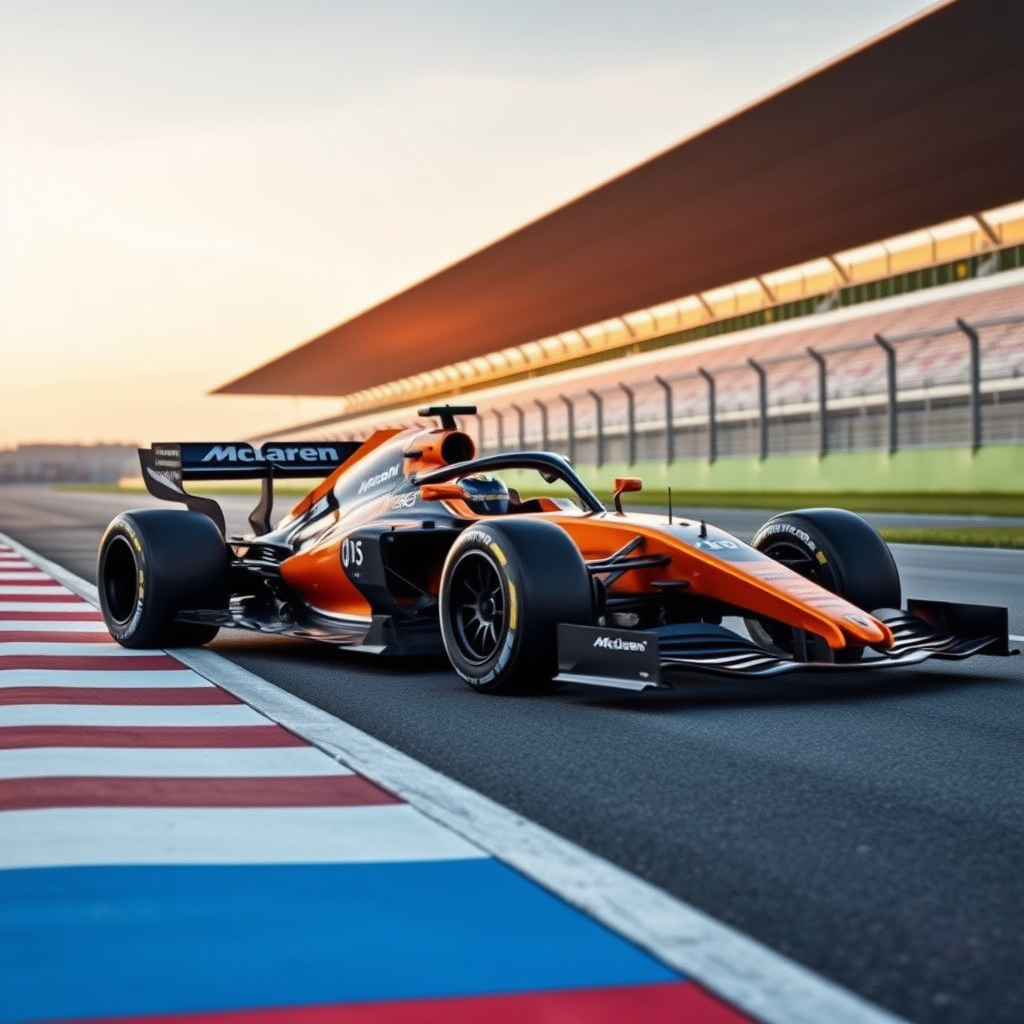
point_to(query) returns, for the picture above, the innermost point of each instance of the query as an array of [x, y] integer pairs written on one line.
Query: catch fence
[[957, 385]]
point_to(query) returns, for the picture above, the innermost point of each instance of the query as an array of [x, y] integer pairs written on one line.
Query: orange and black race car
[[510, 566]]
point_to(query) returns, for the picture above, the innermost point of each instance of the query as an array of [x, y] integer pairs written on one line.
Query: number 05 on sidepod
[[510, 566]]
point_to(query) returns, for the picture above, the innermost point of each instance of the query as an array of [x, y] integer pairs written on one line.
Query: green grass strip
[[971, 536], [913, 504]]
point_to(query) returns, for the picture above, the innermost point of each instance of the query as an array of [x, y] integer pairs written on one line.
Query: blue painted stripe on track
[[88, 942]]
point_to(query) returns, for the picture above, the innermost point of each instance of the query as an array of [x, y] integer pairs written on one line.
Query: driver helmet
[[485, 495]]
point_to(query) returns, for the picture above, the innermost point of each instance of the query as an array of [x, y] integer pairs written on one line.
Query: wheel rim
[[778, 635], [120, 580], [797, 559], [477, 607]]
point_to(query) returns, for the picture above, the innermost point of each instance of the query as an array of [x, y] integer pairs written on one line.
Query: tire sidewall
[[135, 629], [179, 561], [803, 536], [484, 676], [544, 581], [851, 559]]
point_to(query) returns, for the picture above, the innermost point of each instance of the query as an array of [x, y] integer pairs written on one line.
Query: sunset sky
[[190, 187]]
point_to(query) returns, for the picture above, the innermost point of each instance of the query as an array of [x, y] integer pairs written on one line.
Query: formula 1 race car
[[510, 566]]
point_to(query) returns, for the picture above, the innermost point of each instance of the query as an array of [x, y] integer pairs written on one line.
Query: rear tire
[[837, 549], [504, 589], [155, 563]]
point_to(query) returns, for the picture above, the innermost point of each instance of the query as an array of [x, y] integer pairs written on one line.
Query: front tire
[[837, 549], [153, 564], [504, 589]]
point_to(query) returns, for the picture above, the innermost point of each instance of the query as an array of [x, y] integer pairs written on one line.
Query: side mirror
[[439, 492], [622, 485]]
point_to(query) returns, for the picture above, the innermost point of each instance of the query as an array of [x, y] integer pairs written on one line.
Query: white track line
[[751, 976], [115, 716], [59, 626], [39, 648], [155, 762], [78, 836], [9, 589], [44, 606], [81, 678]]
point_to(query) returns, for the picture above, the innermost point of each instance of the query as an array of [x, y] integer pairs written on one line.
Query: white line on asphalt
[[757, 980]]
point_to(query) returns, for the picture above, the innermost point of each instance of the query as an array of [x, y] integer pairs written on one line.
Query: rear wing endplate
[[166, 466]]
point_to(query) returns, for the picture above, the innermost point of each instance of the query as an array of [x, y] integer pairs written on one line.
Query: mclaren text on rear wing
[[166, 466], [238, 460]]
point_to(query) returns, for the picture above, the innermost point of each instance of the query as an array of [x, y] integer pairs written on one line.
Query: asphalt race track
[[871, 830]]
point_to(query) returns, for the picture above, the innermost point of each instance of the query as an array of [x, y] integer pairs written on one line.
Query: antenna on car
[[447, 413], [670, 506]]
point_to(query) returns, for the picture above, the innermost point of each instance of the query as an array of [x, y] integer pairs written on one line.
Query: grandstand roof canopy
[[916, 127]]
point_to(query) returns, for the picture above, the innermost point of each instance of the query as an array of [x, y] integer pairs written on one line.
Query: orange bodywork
[[712, 564], [764, 586], [317, 574], [428, 450], [375, 440]]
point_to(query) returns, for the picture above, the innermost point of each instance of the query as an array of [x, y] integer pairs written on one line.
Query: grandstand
[[968, 247], [659, 405], [645, 395], [669, 335]]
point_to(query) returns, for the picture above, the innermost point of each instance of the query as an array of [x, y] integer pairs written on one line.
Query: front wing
[[632, 660]]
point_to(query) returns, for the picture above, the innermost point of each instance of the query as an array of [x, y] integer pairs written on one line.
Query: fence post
[[974, 371], [522, 427], [571, 423], [762, 405], [890, 375], [543, 423], [501, 429], [630, 422], [600, 426], [822, 401], [670, 433], [712, 426]]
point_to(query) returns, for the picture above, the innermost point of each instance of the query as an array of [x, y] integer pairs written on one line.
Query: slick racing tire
[[504, 589], [155, 563], [839, 551]]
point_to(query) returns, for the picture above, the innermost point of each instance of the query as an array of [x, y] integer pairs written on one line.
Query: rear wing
[[165, 467]]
